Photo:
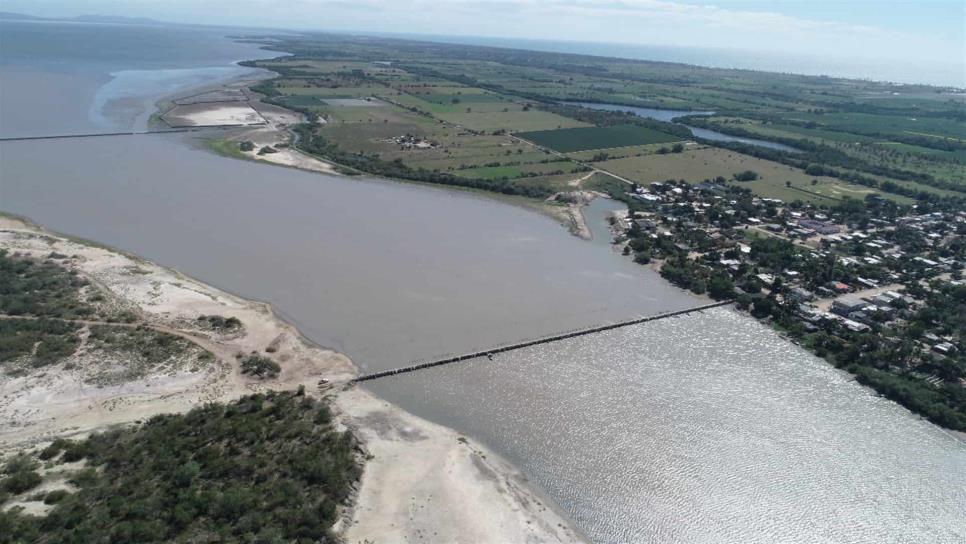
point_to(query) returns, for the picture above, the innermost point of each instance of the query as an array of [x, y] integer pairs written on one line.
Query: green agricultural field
[[426, 89], [331, 92], [455, 104], [696, 165], [491, 172], [462, 100], [460, 97], [303, 101], [944, 165], [888, 124], [512, 121], [596, 155], [579, 139]]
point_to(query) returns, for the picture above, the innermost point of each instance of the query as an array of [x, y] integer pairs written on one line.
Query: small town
[[872, 286]]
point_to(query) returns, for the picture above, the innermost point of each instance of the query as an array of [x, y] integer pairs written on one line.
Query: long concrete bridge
[[527, 343], [133, 133]]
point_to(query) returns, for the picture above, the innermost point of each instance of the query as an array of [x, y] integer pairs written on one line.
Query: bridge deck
[[130, 133], [528, 343]]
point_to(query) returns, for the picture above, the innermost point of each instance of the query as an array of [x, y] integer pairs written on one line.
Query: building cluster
[[838, 270], [411, 141]]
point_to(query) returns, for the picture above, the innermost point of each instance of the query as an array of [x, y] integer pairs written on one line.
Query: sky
[[924, 30]]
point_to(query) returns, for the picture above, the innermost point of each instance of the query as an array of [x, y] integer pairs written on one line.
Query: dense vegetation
[[44, 310], [19, 475], [43, 293], [266, 468], [40, 288], [41, 340]]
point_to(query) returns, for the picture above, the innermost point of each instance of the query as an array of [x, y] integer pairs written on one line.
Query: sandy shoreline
[[423, 482]]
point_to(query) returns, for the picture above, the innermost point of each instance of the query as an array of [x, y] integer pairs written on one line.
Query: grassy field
[[580, 139], [465, 99], [696, 165], [946, 166], [598, 155], [462, 128], [511, 121], [492, 172], [863, 123]]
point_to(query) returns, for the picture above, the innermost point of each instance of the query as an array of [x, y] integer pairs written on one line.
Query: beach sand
[[216, 114]]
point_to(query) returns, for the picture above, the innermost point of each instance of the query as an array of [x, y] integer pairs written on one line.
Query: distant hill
[[116, 19]]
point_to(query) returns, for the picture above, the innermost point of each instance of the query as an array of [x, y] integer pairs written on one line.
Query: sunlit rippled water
[[705, 428]]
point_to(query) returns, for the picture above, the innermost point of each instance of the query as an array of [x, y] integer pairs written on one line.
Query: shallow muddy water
[[386, 272]]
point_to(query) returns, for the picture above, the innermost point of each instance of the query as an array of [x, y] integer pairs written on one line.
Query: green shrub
[[220, 322], [260, 367], [75, 451], [53, 449], [18, 482], [19, 463], [55, 496]]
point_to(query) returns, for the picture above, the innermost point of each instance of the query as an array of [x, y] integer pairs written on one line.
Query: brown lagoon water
[[386, 272], [705, 428]]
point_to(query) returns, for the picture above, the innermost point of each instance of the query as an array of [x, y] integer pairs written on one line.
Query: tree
[[720, 286], [747, 175], [699, 287]]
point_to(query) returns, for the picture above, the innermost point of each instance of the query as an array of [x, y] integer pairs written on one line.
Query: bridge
[[105, 134], [528, 343]]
